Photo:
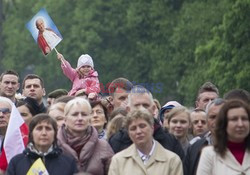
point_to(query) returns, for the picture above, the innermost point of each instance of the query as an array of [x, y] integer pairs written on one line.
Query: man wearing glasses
[[5, 109]]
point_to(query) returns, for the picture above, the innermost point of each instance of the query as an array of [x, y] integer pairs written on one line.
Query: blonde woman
[[79, 139], [179, 124]]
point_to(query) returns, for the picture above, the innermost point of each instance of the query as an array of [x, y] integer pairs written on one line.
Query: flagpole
[[61, 59]]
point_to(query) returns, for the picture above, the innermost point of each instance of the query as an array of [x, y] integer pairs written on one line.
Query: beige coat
[[162, 162], [212, 164]]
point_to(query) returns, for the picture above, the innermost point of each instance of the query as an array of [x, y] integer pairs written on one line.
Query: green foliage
[[228, 51]]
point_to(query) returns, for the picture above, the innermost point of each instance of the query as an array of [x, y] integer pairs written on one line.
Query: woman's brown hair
[[221, 137]]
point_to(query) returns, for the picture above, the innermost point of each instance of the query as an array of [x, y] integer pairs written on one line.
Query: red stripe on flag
[[3, 161], [24, 130]]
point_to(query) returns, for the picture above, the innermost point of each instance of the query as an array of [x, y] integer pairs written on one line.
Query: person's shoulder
[[121, 135], [163, 155], [103, 144], [208, 148], [165, 138], [126, 152], [18, 158], [66, 158], [208, 152], [170, 154], [199, 143]]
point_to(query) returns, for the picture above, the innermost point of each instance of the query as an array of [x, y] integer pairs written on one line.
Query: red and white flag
[[16, 138]]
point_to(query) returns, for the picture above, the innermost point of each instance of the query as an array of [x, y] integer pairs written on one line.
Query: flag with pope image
[[38, 168], [44, 31]]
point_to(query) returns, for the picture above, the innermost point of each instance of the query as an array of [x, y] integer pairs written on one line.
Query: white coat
[[212, 163]]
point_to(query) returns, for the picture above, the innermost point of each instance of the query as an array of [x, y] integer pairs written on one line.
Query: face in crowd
[[84, 70], [25, 113], [199, 122], [5, 110], [120, 98], [141, 101], [211, 116], [98, 118], [140, 127], [43, 130], [56, 111], [179, 122], [204, 98], [33, 88], [9, 85], [238, 124], [77, 116]]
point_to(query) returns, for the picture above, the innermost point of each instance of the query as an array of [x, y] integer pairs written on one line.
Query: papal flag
[[38, 168]]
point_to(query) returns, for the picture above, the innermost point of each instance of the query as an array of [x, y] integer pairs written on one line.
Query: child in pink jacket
[[84, 77]]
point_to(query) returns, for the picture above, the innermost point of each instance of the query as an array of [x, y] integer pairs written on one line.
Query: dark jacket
[[42, 107], [121, 140], [192, 157], [55, 162]]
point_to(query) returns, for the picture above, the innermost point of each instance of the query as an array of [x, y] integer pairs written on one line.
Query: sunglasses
[[5, 110]]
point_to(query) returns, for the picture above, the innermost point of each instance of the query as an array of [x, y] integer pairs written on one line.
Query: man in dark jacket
[[193, 152], [33, 87], [141, 98]]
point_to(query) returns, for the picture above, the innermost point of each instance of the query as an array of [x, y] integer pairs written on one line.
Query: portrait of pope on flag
[[44, 31]]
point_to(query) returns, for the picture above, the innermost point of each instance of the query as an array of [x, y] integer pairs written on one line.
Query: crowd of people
[[126, 132]]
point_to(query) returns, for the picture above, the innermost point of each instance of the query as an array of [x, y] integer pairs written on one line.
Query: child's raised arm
[[70, 72]]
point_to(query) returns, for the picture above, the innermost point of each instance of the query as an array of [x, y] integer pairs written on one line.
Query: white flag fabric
[[16, 137]]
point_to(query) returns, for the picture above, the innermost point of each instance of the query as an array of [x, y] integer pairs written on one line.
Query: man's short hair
[[207, 87], [8, 72], [198, 110], [119, 83], [32, 76], [240, 94], [139, 90], [215, 102]]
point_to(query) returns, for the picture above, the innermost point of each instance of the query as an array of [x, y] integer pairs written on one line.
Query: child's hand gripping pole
[[60, 57]]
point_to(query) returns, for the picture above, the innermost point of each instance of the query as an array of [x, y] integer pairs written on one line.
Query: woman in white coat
[[230, 153]]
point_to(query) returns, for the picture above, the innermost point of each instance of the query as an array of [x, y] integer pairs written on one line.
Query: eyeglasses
[[5, 110]]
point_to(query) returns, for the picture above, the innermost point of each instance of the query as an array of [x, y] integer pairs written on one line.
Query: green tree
[[229, 50], [196, 22]]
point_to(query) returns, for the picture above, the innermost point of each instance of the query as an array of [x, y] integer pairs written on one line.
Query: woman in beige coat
[[145, 156], [231, 151]]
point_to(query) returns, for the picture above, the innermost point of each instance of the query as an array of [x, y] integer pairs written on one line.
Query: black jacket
[[121, 140], [192, 157], [55, 162]]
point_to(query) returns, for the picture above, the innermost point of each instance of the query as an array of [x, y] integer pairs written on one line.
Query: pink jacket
[[90, 83]]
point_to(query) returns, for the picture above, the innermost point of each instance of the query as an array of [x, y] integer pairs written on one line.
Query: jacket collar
[[156, 156], [230, 161], [30, 151]]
